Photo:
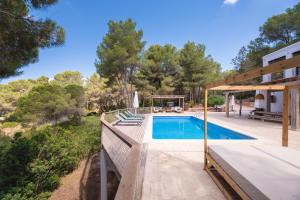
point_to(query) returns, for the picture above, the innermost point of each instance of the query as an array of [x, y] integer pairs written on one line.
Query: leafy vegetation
[[9, 124], [277, 32], [46, 103], [119, 55], [214, 100], [22, 35], [30, 167], [158, 70]]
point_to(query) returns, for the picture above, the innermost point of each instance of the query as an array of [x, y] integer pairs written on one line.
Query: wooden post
[[183, 104], [205, 126], [103, 172], [227, 104], [151, 105], [294, 108], [285, 117], [241, 107], [268, 101]]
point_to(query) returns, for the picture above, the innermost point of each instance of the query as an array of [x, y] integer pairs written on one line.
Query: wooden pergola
[[223, 85], [179, 97]]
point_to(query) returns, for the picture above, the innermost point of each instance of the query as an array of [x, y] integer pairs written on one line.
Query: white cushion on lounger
[[263, 172]]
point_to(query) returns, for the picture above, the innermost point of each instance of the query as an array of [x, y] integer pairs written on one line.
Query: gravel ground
[[84, 182]]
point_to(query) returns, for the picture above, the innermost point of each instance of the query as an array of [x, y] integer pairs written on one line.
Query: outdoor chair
[[178, 109]]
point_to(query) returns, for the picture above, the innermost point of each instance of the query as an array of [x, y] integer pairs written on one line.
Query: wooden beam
[[272, 68], [205, 126], [227, 178], [285, 117], [295, 84], [248, 87]]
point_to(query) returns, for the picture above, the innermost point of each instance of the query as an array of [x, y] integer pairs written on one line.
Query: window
[[297, 53], [297, 71], [278, 75], [277, 60]]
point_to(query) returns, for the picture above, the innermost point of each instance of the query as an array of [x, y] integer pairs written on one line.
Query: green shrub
[[215, 100], [30, 167], [9, 124]]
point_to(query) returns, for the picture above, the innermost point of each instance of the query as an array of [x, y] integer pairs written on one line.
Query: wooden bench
[[266, 116]]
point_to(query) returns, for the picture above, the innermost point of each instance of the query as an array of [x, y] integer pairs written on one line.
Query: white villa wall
[[288, 53], [261, 103], [277, 106]]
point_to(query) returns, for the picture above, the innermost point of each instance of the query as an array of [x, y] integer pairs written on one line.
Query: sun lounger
[[120, 118], [130, 114], [157, 109], [126, 123], [129, 118], [178, 109], [256, 172]]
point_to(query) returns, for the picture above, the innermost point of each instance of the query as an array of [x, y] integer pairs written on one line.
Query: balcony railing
[[124, 153]]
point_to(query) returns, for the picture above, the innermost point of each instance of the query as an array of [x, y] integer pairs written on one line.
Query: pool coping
[[148, 131]]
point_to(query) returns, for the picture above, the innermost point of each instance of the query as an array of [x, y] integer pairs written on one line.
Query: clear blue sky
[[223, 27]]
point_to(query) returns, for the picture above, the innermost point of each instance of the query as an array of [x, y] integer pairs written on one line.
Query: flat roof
[[167, 96], [283, 51]]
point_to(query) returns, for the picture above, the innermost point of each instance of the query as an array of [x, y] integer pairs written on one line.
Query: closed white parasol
[[136, 101]]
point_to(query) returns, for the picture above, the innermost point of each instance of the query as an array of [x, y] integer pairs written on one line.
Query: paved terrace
[[174, 168]]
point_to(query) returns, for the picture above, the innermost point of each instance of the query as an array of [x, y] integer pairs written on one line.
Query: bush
[[215, 100], [46, 103], [9, 124], [30, 167]]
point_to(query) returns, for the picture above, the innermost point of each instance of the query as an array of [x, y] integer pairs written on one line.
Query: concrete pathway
[[174, 168]]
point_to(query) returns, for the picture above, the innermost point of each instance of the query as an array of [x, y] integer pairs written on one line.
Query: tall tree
[[119, 54], [68, 78], [21, 36], [279, 29], [250, 57], [160, 69], [198, 68], [99, 97], [11, 92]]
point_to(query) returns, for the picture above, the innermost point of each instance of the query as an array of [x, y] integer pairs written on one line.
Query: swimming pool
[[189, 127]]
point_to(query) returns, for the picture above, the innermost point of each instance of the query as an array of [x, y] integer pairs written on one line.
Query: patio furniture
[[120, 118], [219, 108], [178, 109], [157, 109], [255, 172], [130, 114], [266, 116], [129, 118], [127, 123], [170, 109]]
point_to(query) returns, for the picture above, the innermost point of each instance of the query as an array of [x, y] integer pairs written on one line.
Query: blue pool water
[[191, 128]]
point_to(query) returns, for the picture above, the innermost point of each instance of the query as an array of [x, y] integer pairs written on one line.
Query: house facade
[[272, 101]]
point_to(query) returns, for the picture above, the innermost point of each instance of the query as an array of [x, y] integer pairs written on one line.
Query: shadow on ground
[[84, 182], [90, 180]]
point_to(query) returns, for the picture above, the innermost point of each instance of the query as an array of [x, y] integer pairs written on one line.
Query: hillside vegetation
[[32, 163]]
